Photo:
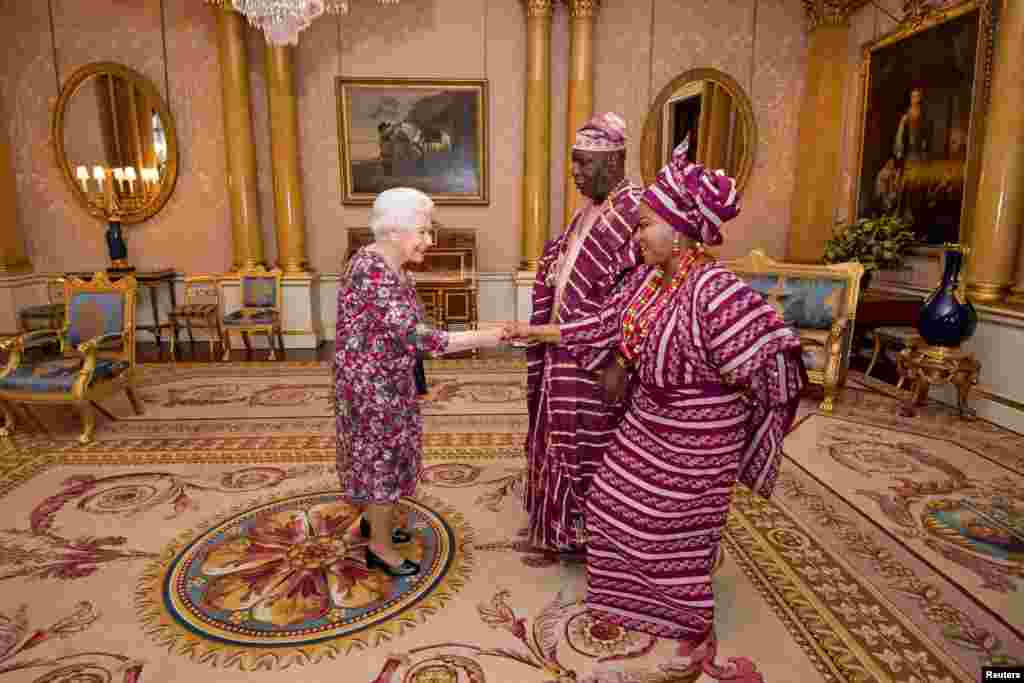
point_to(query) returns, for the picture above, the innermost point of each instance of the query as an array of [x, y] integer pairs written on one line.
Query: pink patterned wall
[[193, 231], [759, 42]]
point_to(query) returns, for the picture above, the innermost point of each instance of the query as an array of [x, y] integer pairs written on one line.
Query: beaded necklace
[[646, 307]]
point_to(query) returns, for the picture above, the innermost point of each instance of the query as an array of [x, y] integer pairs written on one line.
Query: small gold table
[[924, 366]]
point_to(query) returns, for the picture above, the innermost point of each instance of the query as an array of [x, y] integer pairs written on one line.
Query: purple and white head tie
[[603, 133], [692, 199]]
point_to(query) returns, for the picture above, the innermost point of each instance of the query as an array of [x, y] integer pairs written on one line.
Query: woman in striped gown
[[712, 376]]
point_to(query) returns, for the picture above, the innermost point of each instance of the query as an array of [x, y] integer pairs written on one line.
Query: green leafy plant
[[875, 243]]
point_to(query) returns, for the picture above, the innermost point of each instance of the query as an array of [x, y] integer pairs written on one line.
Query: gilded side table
[[924, 366]]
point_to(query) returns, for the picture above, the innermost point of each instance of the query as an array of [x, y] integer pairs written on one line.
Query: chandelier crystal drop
[[282, 20]]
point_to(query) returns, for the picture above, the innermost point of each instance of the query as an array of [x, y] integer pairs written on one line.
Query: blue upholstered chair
[[96, 359], [260, 312]]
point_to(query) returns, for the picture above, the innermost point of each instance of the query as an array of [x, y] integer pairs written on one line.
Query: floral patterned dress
[[380, 333]]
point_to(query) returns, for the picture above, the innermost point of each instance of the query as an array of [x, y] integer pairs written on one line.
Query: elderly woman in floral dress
[[380, 333], [712, 377]]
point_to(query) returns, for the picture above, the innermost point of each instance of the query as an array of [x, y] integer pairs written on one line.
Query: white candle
[[119, 177], [83, 177], [129, 175], [98, 175]]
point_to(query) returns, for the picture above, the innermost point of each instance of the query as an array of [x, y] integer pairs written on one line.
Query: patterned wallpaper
[[759, 42]]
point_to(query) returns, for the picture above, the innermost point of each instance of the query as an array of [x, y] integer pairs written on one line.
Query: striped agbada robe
[[570, 421], [715, 390]]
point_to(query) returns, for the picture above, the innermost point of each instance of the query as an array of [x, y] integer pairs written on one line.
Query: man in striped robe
[[570, 421]]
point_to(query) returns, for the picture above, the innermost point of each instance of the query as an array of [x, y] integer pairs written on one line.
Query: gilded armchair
[[260, 312], [96, 359]]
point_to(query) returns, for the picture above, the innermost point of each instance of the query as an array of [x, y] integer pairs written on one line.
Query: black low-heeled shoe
[[407, 568], [398, 536]]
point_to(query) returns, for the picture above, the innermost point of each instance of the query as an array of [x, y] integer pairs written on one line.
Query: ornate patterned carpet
[[204, 540]]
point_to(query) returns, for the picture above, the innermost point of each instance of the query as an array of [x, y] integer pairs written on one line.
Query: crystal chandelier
[[282, 20]]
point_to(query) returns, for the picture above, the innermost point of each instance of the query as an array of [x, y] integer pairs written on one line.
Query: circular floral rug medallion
[[285, 581]]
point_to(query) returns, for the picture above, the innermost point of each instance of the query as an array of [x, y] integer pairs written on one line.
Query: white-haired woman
[[381, 331]]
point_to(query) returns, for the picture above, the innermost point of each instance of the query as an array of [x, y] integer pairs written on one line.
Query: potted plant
[[875, 243]]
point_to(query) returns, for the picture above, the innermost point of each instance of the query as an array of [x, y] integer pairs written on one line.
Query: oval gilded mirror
[[115, 142], [712, 108]]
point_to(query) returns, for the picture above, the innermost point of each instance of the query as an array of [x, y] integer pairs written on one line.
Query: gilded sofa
[[819, 302]]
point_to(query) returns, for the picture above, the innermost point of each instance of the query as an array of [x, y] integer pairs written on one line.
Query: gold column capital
[[539, 8], [827, 13], [583, 9]]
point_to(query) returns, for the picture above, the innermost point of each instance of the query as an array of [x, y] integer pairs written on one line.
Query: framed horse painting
[[422, 133]]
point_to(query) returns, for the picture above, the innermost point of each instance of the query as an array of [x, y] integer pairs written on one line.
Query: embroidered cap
[[692, 199], [603, 133]]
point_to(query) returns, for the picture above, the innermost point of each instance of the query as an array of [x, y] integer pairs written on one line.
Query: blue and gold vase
[[947, 318]]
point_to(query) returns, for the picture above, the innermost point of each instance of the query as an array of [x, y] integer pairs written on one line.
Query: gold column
[[289, 212], [243, 190], [537, 149], [816, 192], [581, 84], [12, 246], [1000, 205]]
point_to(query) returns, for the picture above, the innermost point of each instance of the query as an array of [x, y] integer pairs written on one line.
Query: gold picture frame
[[429, 134], [947, 177]]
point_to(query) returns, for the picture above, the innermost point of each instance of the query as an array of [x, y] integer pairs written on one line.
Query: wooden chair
[[96, 359], [48, 316], [260, 311], [201, 310]]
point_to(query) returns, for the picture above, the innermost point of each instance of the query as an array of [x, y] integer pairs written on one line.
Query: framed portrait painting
[[924, 99], [422, 133]]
